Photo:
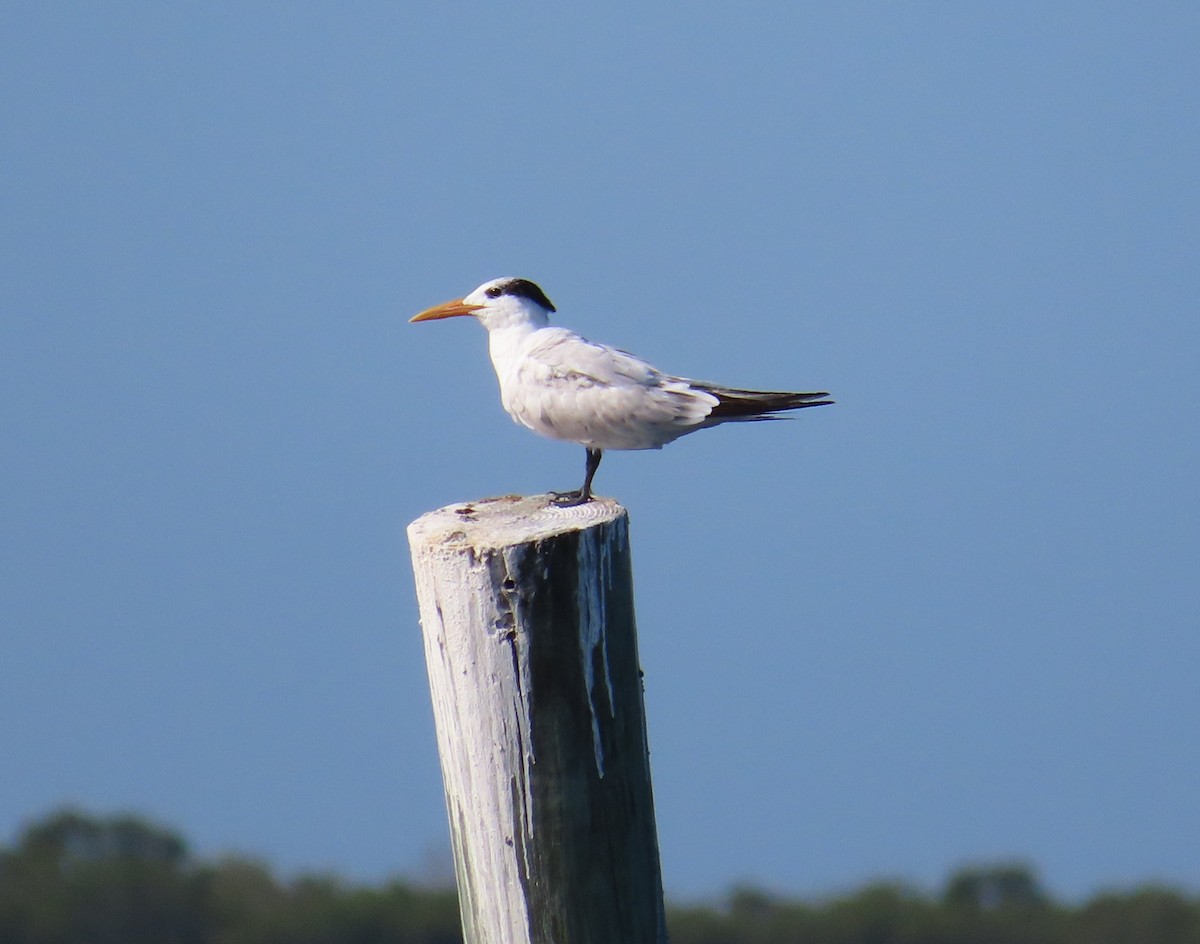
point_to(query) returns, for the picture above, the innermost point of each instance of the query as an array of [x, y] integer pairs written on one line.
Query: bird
[[563, 386]]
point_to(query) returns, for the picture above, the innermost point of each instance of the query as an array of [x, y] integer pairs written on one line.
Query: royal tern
[[567, 387]]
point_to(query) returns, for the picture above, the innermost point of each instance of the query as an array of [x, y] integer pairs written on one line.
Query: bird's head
[[500, 303]]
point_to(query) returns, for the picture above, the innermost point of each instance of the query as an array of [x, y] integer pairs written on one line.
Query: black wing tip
[[760, 403], [807, 403], [817, 398]]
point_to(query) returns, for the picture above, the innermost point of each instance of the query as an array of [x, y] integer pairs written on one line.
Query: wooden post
[[527, 615]]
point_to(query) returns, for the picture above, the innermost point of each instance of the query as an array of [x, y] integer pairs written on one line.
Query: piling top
[[508, 521]]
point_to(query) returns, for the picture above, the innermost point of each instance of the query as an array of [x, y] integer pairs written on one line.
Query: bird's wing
[[567, 387]]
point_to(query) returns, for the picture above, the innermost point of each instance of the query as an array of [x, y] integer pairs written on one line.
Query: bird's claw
[[570, 499]]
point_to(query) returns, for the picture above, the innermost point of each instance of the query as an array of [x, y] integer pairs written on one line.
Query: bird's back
[[565, 387]]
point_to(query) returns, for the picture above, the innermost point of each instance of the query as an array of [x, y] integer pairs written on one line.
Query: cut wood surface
[[530, 642]]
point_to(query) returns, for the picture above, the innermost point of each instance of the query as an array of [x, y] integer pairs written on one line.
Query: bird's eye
[[493, 292]]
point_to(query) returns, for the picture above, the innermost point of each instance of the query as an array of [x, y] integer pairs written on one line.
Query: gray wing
[[566, 387]]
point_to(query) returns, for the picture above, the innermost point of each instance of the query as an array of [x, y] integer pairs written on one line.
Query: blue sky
[[952, 619]]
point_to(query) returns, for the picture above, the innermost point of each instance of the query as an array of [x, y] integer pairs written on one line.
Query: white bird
[[566, 387]]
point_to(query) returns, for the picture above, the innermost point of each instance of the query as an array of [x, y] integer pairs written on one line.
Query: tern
[[564, 386]]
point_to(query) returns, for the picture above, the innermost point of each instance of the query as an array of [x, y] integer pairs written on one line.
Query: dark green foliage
[[1145, 916], [75, 879], [72, 878], [1002, 904]]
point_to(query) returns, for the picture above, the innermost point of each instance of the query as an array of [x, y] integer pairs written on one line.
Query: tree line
[[72, 878]]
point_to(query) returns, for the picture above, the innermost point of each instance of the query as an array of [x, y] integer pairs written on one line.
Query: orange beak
[[446, 310]]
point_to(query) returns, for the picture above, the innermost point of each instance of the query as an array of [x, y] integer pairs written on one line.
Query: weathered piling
[[530, 642]]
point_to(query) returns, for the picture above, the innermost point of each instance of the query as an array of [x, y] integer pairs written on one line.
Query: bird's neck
[[505, 346], [505, 340]]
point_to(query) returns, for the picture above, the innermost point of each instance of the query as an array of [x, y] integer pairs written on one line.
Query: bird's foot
[[570, 499]]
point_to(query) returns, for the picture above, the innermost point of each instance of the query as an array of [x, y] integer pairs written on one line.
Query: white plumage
[[566, 387]]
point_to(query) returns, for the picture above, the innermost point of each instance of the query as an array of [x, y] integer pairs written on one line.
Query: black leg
[[583, 495], [590, 467]]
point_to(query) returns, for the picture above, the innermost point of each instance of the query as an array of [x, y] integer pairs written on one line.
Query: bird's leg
[[583, 495], [589, 471]]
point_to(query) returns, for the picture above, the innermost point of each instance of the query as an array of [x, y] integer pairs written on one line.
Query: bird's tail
[[734, 404]]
